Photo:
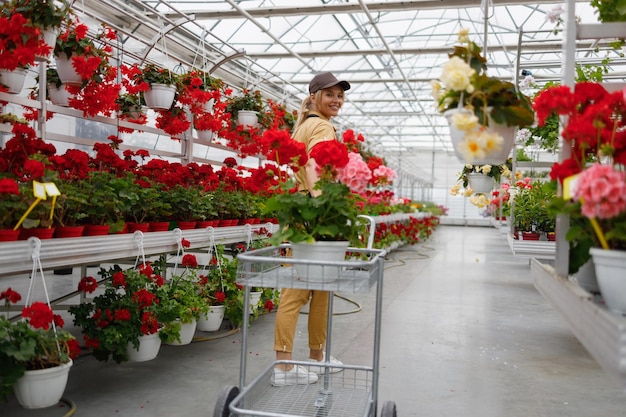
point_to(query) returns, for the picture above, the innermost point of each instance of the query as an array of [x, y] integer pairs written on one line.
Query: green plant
[[71, 204], [44, 14], [183, 202], [129, 307], [493, 171], [103, 196], [37, 341], [610, 10], [183, 301], [249, 100], [14, 202], [153, 74], [129, 105], [530, 208]]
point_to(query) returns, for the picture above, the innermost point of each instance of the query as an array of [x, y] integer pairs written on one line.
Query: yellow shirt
[[311, 132]]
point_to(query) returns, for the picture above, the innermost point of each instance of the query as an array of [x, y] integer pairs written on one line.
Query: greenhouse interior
[[434, 192]]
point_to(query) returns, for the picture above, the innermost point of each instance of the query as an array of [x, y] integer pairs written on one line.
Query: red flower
[[269, 305], [190, 261], [220, 296], [91, 342], [185, 243], [149, 323], [144, 298], [330, 153], [122, 315], [87, 285], [39, 315], [119, 280], [10, 295], [73, 348]]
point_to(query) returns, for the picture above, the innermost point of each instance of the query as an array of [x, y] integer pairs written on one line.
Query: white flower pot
[[495, 157], [610, 266], [149, 346], [212, 320], [205, 135], [49, 36], [42, 388], [480, 183], [187, 331], [315, 252], [207, 106], [160, 96], [247, 118], [586, 277], [59, 96], [255, 298], [66, 71], [13, 79]]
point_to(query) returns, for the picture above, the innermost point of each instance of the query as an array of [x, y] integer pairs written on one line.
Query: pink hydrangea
[[385, 174], [356, 174], [602, 190]]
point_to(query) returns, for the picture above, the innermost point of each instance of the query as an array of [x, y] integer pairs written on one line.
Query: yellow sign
[[41, 191]]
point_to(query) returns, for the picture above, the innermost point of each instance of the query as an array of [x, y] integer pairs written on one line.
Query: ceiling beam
[[398, 6]]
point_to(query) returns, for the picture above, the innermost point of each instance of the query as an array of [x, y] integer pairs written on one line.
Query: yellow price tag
[[51, 189], [569, 186], [39, 190]]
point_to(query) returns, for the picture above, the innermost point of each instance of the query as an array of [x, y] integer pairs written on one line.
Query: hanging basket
[[480, 183], [49, 36], [160, 96], [248, 119], [59, 96], [13, 79], [495, 157], [42, 388], [67, 73]]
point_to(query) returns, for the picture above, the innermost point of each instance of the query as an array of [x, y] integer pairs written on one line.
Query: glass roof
[[388, 50]]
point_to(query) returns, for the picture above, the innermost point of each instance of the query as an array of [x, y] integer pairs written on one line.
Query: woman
[[326, 96]]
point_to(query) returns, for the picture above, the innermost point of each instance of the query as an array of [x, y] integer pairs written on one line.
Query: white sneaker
[[298, 375], [321, 369]]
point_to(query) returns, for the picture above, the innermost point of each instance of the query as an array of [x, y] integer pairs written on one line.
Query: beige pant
[[290, 303]]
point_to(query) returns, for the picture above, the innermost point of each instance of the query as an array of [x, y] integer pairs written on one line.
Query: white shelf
[[539, 249], [602, 332], [17, 257], [605, 30]]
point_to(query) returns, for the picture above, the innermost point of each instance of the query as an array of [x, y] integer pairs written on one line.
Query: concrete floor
[[464, 333]]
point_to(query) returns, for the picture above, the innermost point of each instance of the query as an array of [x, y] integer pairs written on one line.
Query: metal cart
[[350, 393]]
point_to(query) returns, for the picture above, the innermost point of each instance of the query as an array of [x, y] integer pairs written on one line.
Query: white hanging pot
[[255, 297], [67, 73], [149, 346], [496, 156], [319, 251], [49, 36], [13, 79], [187, 331], [247, 118], [212, 320], [205, 135], [59, 96], [42, 388], [160, 96], [207, 106], [480, 183]]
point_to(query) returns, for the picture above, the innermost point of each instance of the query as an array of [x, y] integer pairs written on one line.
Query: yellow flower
[[464, 35], [436, 90], [479, 200], [455, 189], [493, 141], [472, 147], [468, 192], [464, 121], [456, 75], [485, 169]]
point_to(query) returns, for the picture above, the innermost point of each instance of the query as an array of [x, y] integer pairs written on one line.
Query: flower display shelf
[[16, 257], [539, 249], [602, 332]]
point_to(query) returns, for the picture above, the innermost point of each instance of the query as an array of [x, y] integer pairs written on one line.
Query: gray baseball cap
[[326, 80]]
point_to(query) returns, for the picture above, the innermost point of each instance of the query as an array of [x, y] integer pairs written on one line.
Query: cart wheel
[[389, 409], [223, 401]]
